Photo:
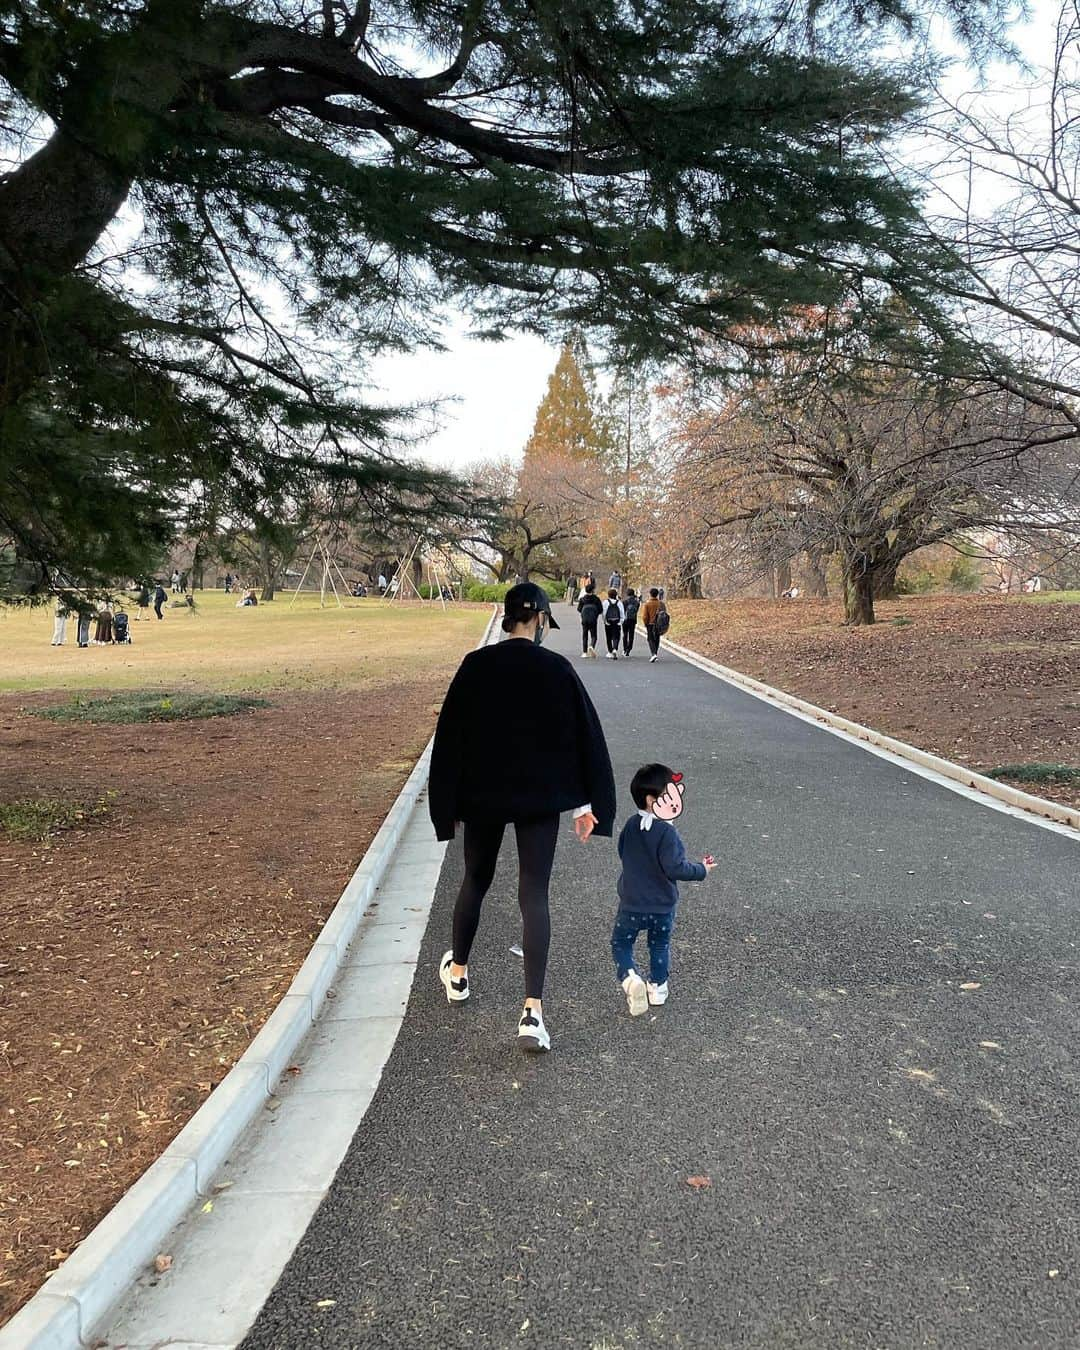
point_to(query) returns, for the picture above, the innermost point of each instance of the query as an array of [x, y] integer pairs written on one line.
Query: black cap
[[526, 599]]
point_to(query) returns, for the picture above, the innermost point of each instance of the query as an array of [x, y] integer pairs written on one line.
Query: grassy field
[[162, 880], [270, 647]]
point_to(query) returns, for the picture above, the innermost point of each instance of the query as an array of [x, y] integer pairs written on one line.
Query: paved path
[[894, 1159]]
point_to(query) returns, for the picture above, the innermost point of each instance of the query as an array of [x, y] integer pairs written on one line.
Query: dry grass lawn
[[220, 647], [190, 868]]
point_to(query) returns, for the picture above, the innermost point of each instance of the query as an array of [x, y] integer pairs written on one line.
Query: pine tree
[[570, 425], [310, 191]]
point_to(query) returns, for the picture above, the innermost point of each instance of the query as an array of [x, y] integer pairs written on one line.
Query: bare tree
[[1002, 171], [874, 466]]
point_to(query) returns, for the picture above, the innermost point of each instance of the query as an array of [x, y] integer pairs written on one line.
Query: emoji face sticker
[[669, 805]]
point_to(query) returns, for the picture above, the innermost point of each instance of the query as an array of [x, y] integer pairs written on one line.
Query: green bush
[[150, 707], [495, 592], [963, 574], [1037, 773], [916, 583]]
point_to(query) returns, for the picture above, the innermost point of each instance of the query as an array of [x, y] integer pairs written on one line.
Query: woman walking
[[518, 742]]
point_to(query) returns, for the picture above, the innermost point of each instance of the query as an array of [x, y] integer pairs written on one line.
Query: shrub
[[495, 592], [147, 706], [1037, 773], [36, 818]]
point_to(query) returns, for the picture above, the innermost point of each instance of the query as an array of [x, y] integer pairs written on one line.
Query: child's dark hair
[[589, 588], [613, 594], [651, 780], [630, 593], [654, 593]]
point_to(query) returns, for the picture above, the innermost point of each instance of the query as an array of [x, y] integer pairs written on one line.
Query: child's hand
[[709, 863]]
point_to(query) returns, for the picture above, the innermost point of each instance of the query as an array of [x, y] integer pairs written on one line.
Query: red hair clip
[[676, 777]]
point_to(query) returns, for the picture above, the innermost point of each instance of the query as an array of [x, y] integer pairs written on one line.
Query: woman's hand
[[584, 825]]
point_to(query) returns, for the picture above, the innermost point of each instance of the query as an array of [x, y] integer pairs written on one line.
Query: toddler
[[654, 861]]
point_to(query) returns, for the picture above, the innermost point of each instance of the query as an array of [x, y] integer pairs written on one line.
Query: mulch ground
[[980, 680], [141, 954]]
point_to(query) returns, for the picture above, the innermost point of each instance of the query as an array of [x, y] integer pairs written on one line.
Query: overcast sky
[[496, 386]]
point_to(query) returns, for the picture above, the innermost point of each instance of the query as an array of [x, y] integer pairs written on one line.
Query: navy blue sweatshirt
[[653, 862]]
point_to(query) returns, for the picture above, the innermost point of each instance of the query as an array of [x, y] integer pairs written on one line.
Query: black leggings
[[536, 840], [588, 633]]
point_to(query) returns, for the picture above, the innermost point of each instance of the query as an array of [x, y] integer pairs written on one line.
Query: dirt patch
[[139, 955], [983, 681]]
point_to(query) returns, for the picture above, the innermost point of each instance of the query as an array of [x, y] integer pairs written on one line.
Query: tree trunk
[[268, 571], [783, 578], [817, 583], [858, 591], [689, 577], [885, 580]]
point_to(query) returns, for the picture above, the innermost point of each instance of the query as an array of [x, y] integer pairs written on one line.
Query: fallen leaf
[[990, 1045], [699, 1183], [222, 1186], [208, 1207], [971, 984], [162, 1263], [326, 1303], [1053, 1273], [294, 1068]]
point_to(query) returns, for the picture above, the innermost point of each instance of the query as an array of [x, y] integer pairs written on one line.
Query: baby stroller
[[121, 628]]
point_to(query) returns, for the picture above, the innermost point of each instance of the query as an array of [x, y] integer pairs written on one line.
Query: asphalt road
[[894, 1159]]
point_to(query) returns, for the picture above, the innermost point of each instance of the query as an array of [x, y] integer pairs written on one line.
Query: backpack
[[663, 620], [631, 605], [611, 612]]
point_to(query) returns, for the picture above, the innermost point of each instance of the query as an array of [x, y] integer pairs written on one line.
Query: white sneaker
[[657, 993], [532, 1034], [652, 658], [584, 656], [457, 990], [637, 999]]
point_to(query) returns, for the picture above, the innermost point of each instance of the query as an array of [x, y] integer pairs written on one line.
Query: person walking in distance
[[650, 613], [543, 754], [590, 607], [614, 617], [615, 581], [631, 605], [159, 598]]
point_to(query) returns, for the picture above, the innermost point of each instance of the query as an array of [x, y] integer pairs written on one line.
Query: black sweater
[[518, 738]]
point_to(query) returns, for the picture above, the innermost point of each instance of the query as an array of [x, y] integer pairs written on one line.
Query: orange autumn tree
[[567, 469]]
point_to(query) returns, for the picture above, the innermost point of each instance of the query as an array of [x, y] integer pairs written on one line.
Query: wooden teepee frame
[[329, 565], [403, 575]]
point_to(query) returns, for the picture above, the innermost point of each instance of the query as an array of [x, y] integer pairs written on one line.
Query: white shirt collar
[[647, 819]]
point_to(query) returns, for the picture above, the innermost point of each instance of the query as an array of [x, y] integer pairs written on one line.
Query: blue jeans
[[657, 928]]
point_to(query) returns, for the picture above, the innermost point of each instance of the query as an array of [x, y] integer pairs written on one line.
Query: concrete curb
[[966, 779], [72, 1306]]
